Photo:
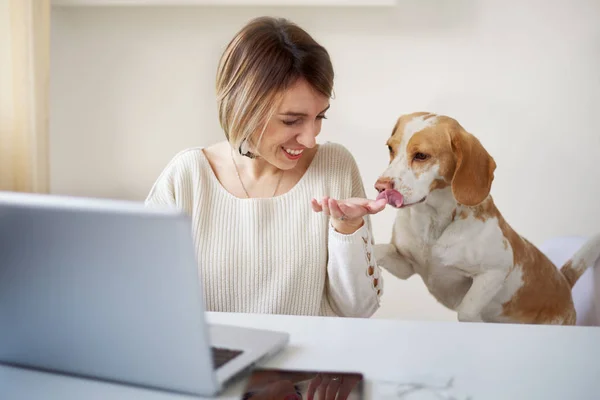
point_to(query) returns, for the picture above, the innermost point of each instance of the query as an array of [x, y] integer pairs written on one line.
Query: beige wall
[[132, 86]]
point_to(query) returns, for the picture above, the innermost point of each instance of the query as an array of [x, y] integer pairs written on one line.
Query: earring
[[245, 149]]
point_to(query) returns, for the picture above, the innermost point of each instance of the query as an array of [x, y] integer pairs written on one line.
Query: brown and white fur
[[450, 232]]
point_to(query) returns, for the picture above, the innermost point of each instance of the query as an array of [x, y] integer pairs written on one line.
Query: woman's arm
[[162, 192], [354, 284], [174, 187]]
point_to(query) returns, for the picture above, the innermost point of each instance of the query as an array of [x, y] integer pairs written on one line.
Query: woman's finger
[[316, 206], [325, 205], [376, 206], [363, 206], [334, 209], [353, 210], [359, 201]]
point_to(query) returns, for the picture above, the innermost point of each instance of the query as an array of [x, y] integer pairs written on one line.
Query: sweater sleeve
[[355, 284], [162, 192], [175, 185]]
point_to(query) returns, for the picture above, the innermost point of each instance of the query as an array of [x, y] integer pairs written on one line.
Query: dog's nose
[[384, 184]]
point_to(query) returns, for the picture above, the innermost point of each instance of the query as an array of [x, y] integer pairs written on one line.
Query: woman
[[265, 244]]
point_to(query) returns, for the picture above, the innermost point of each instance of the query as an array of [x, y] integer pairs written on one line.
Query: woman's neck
[[256, 168]]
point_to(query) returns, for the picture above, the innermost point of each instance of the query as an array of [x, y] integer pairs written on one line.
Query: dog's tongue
[[393, 197]]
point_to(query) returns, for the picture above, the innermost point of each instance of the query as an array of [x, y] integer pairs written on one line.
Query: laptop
[[110, 290]]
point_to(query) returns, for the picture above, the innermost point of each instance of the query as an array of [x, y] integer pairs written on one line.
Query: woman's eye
[[420, 156], [297, 121]]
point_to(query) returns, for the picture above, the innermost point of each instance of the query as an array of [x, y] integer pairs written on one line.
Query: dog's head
[[431, 152]]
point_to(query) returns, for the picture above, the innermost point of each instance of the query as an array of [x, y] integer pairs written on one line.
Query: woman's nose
[[308, 137]]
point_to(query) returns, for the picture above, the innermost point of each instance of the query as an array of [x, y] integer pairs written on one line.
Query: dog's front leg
[[484, 288], [388, 257]]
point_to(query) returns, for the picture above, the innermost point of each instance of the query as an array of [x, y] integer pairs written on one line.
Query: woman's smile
[[292, 154]]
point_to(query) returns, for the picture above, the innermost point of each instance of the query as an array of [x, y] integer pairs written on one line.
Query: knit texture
[[275, 255]]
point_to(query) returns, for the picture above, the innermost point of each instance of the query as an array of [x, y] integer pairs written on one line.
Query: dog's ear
[[474, 173]]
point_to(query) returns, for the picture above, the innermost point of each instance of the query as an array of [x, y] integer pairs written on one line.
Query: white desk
[[487, 361]]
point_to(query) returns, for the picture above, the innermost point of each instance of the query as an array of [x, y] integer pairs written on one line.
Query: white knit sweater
[[276, 255]]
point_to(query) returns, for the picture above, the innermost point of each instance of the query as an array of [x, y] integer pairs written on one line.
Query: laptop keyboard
[[223, 356]]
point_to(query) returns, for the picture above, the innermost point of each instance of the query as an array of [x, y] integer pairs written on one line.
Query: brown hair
[[264, 59]]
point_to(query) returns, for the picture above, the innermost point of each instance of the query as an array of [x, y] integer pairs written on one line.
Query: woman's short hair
[[265, 58]]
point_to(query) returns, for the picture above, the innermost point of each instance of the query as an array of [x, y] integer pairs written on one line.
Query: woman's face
[[294, 126]]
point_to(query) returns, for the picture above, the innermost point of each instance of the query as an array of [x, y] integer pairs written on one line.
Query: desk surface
[[486, 361]]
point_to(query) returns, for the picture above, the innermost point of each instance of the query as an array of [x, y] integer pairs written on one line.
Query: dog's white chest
[[446, 283], [417, 238], [447, 256]]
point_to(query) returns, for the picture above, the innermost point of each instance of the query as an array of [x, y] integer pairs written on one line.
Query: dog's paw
[[384, 249], [389, 259], [469, 316]]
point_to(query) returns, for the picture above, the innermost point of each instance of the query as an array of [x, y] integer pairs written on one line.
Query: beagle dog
[[449, 231]]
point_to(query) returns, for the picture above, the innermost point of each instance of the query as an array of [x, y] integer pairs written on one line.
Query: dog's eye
[[420, 156]]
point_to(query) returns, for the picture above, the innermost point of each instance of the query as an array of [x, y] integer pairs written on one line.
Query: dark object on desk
[[279, 384]]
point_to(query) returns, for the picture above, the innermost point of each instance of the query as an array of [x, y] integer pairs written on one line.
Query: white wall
[[132, 86]]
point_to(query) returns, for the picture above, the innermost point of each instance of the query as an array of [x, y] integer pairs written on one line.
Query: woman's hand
[[348, 214]]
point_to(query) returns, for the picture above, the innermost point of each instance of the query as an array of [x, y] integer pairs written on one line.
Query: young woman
[[281, 224]]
